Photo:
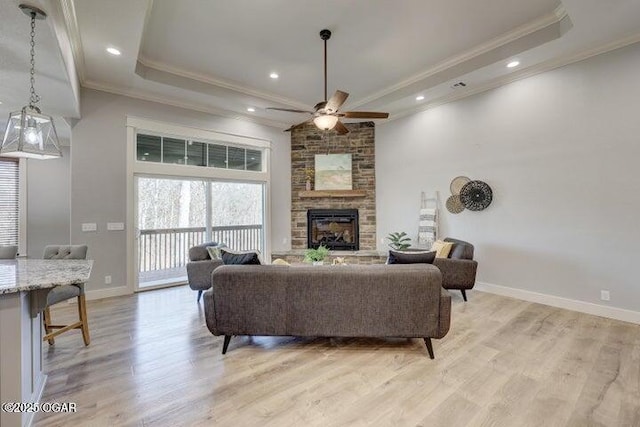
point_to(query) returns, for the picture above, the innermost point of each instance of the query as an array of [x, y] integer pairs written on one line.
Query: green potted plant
[[399, 241], [316, 256]]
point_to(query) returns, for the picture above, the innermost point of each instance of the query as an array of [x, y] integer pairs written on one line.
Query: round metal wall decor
[[454, 205], [457, 183], [476, 195]]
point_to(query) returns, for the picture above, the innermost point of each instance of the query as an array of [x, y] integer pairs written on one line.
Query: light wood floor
[[153, 362]]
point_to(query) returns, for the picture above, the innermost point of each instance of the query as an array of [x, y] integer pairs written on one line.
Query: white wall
[[48, 204], [98, 182], [560, 151]]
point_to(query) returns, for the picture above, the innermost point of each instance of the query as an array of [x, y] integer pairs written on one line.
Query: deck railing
[[162, 249]]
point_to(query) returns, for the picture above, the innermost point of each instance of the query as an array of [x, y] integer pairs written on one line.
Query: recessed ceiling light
[[113, 51], [419, 98], [274, 75], [513, 64], [251, 109]]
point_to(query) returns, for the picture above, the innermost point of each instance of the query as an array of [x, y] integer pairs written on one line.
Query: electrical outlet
[[89, 226], [107, 280], [284, 240], [604, 295]]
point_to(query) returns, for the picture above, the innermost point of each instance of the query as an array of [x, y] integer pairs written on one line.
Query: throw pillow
[[279, 261], [230, 257], [412, 257], [214, 251], [442, 248]]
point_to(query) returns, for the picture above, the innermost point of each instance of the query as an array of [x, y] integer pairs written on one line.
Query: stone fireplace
[[306, 142], [336, 229]]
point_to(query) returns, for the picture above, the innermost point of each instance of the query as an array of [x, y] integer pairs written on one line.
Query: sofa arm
[[445, 313], [199, 273], [457, 273]]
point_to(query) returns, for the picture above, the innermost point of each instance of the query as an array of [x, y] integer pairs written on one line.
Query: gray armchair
[[459, 269], [200, 267], [63, 293]]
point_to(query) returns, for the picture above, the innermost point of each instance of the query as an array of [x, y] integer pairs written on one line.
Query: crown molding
[[541, 23], [214, 81], [136, 94], [523, 74], [545, 21], [68, 10]]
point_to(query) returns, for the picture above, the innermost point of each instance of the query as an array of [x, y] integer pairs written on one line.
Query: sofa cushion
[[442, 248], [214, 251], [230, 257], [411, 257], [200, 253]]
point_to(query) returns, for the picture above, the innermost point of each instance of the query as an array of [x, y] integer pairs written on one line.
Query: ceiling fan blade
[[336, 101], [341, 128], [298, 125], [364, 115], [290, 110]]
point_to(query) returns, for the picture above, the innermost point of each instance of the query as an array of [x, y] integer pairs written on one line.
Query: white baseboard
[[555, 301], [108, 293]]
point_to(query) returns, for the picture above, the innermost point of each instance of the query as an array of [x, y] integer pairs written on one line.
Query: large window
[[176, 214], [9, 202], [162, 149]]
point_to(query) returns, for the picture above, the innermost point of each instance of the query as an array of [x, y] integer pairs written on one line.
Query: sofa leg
[[200, 295], [427, 341], [225, 346], [464, 294]]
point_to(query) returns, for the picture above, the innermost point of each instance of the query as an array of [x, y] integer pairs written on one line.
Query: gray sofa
[[200, 267], [328, 301]]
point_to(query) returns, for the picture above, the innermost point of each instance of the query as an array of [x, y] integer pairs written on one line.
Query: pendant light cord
[[34, 98]]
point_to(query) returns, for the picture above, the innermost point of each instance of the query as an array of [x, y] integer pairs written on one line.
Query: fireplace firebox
[[337, 229]]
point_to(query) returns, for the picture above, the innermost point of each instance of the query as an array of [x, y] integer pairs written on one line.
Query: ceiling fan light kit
[[326, 115], [30, 133], [326, 122]]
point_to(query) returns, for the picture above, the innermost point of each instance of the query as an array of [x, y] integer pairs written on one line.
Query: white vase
[[318, 262]]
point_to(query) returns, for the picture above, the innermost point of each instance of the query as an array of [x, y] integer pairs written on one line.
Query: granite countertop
[[33, 274]]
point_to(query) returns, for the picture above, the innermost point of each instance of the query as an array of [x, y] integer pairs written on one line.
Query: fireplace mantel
[[333, 193]]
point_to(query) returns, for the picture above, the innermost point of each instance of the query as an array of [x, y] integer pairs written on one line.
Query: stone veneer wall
[[306, 142]]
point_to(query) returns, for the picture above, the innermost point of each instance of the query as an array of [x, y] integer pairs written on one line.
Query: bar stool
[[65, 292]]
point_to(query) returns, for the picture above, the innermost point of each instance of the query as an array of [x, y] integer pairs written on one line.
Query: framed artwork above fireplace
[[333, 172]]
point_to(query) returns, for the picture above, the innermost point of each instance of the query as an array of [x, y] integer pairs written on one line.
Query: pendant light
[[30, 133]]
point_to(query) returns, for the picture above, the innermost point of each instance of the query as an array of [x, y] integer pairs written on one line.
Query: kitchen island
[[24, 285]]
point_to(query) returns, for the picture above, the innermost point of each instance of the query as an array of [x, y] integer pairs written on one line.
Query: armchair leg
[[225, 345], [464, 294], [199, 295], [427, 341]]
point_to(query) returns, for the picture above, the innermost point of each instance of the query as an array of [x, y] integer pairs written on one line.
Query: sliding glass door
[[174, 214]]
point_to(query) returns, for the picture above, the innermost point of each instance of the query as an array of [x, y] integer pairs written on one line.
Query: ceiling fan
[[325, 115]]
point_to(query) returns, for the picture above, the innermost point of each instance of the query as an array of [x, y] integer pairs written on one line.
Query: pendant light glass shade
[[30, 134], [326, 122]]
